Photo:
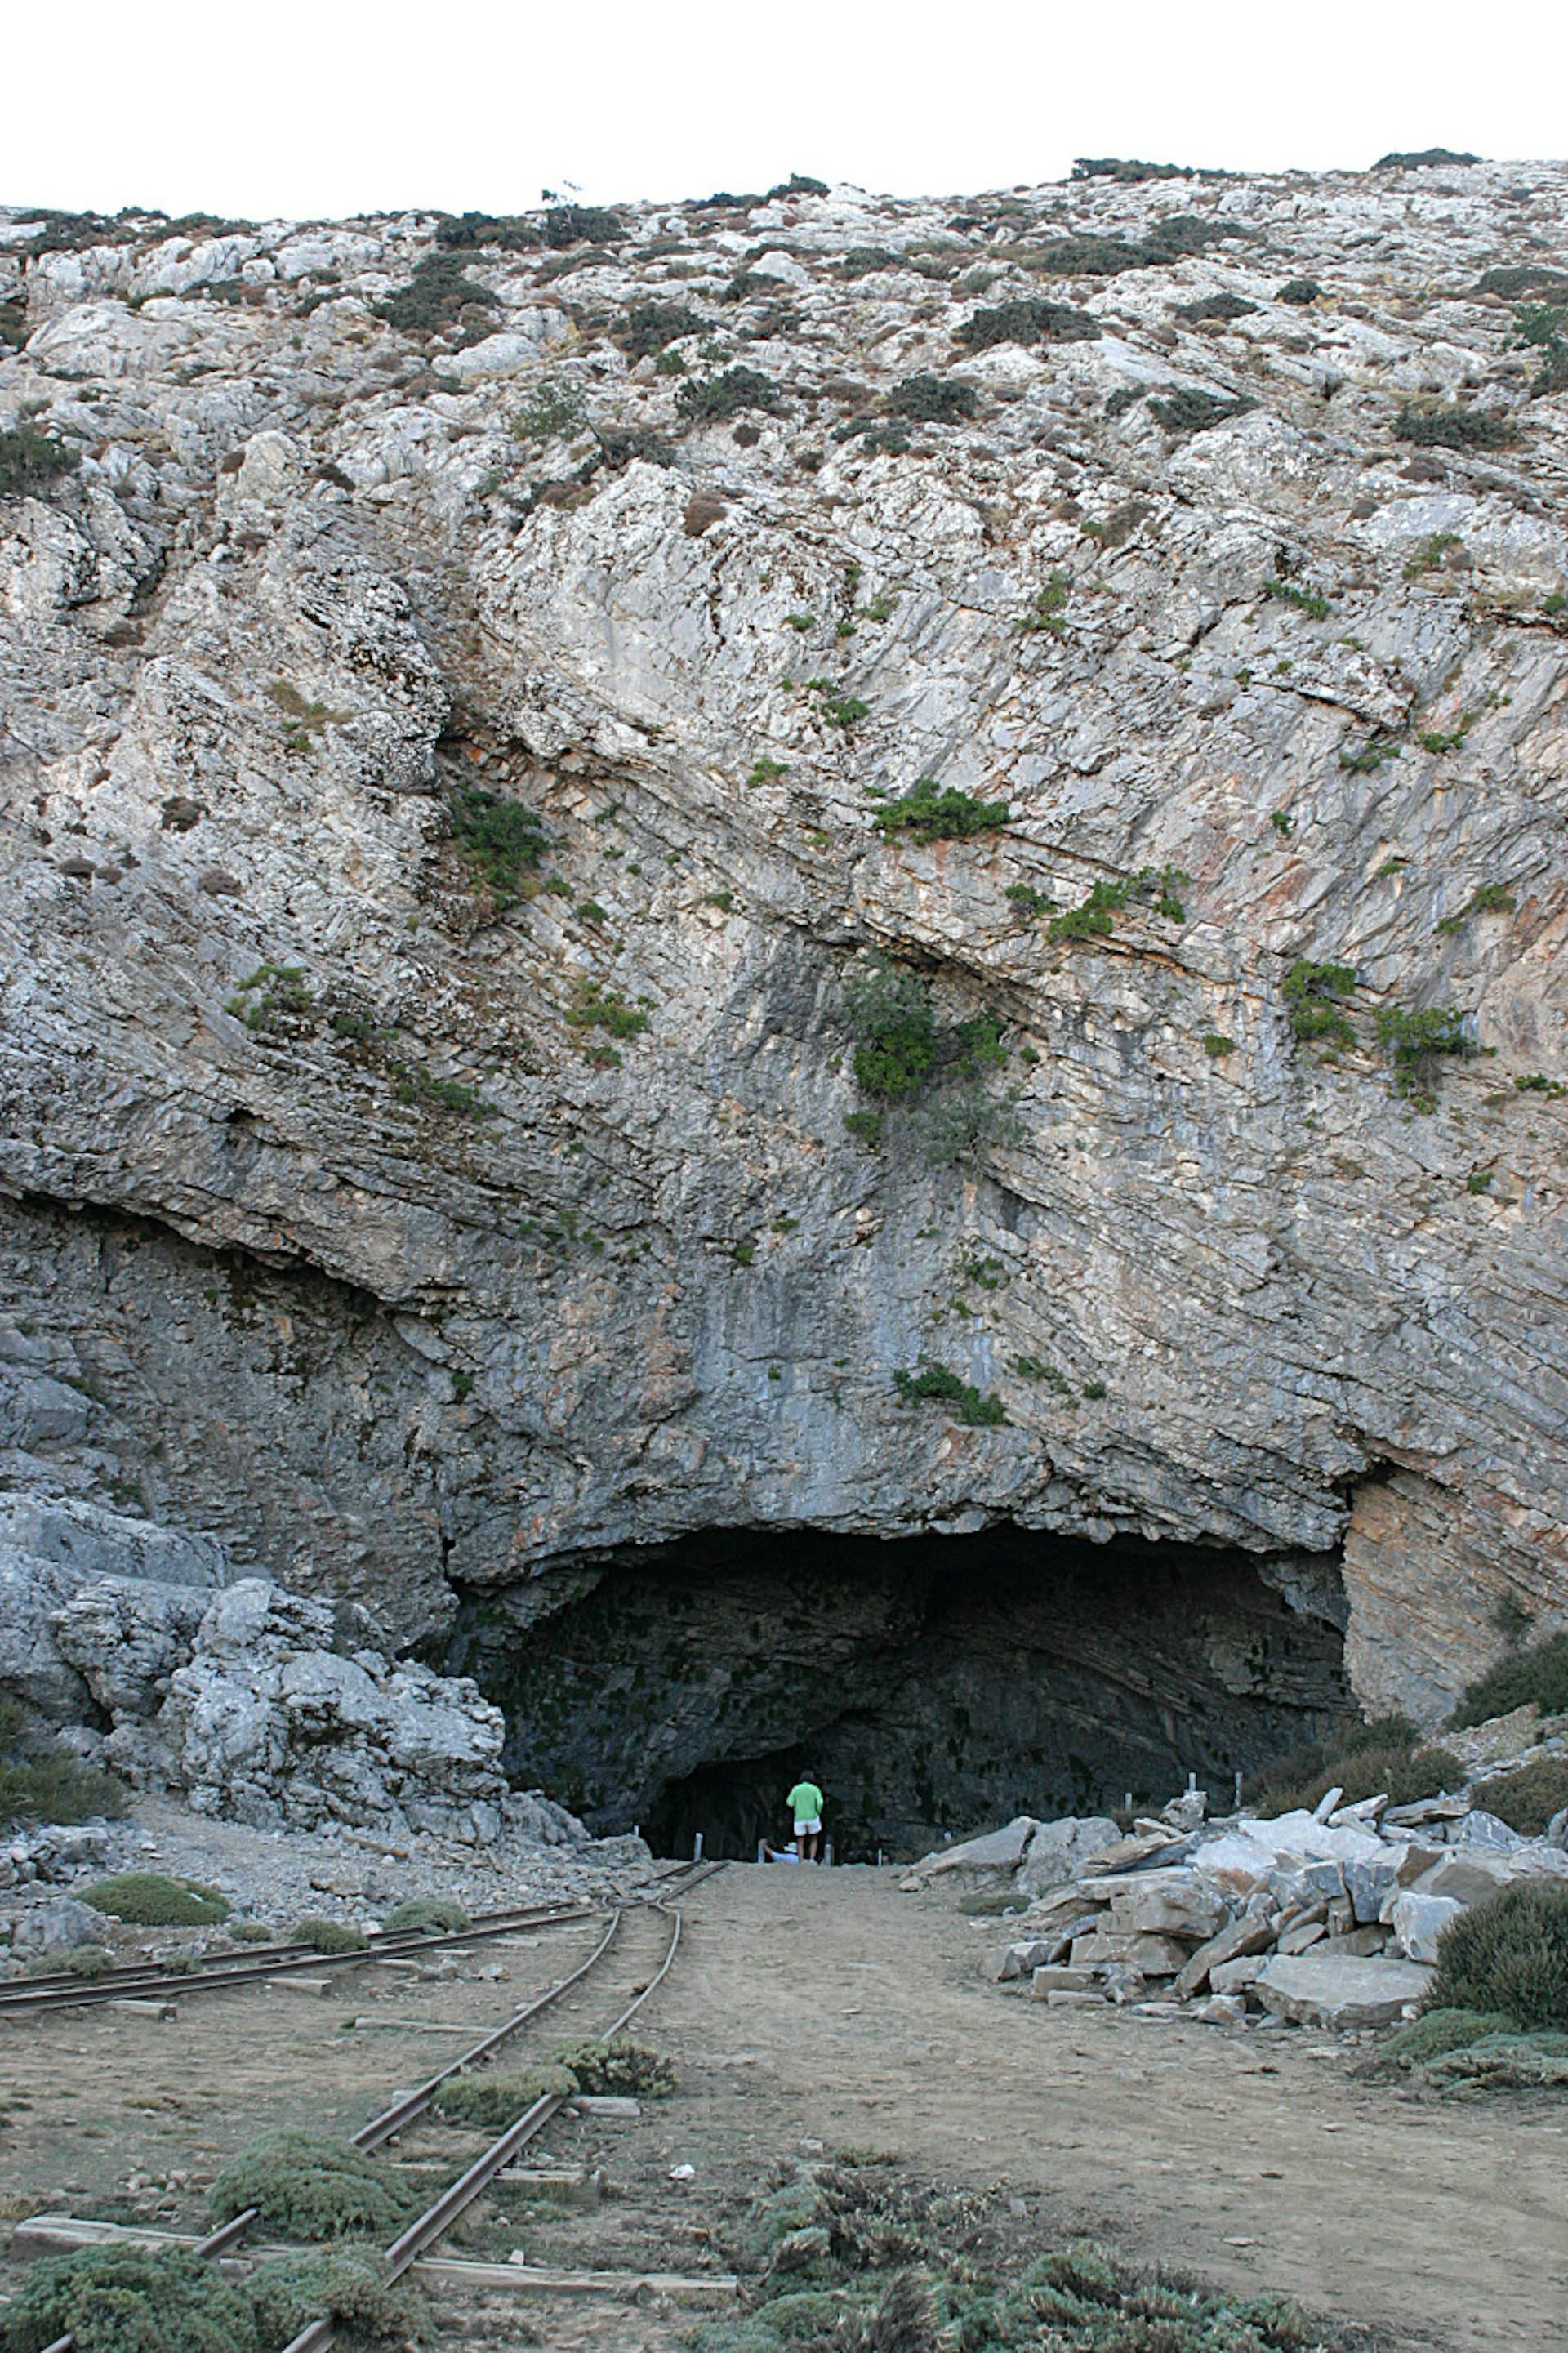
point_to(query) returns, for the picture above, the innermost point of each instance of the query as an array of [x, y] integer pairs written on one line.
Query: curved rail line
[[432, 2225], [437, 2219], [148, 1979]]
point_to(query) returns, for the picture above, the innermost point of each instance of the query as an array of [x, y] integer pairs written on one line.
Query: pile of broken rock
[[251, 1702], [1326, 1919]]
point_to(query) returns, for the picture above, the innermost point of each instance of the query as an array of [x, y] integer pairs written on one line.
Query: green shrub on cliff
[[1538, 1674], [30, 460], [894, 1028], [42, 1781]]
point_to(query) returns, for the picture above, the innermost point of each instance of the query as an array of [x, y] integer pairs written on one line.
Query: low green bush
[[492, 2102], [329, 1936], [431, 1913], [1528, 1799], [1312, 994], [1400, 1771], [1187, 411], [145, 1899], [941, 813], [650, 327], [499, 840], [566, 225], [862, 260], [938, 1382], [438, 295], [1127, 170], [507, 231], [963, 1124], [42, 1781], [619, 2069], [1029, 321], [1451, 428], [30, 460], [551, 412], [1309, 601], [129, 2300], [1413, 1039], [89, 1961], [1095, 256], [1299, 291], [251, 1932], [1425, 159], [1523, 277], [1438, 2031], [708, 400], [1508, 1952], [1539, 1674], [1216, 306], [598, 1007], [1095, 917], [313, 2186], [933, 399], [340, 2284]]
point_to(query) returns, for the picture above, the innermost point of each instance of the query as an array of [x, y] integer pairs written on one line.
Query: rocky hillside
[[802, 861]]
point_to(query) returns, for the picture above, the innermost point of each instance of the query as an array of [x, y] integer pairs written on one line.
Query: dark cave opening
[[933, 1684]]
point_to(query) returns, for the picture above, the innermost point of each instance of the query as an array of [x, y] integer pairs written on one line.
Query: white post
[[696, 1847]]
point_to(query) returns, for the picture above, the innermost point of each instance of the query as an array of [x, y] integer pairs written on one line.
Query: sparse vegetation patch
[[31, 462], [1028, 322], [933, 812]]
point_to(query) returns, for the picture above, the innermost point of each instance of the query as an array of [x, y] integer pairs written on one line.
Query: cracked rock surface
[[450, 678]]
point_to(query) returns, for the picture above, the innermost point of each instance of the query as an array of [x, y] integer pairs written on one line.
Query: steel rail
[[433, 2225], [382, 1940], [319, 2333], [413, 2104], [74, 1993]]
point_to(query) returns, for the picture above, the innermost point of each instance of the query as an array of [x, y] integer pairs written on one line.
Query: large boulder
[[995, 1852], [268, 1724], [51, 1548], [1326, 1989], [1059, 1850], [125, 1638]]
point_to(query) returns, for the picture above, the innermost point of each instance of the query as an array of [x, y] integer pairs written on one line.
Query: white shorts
[[808, 1829]]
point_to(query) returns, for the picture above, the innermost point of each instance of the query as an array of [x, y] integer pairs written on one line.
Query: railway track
[[255, 1964], [427, 2229]]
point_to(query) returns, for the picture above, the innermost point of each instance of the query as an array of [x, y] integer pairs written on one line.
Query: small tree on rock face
[[894, 1028]]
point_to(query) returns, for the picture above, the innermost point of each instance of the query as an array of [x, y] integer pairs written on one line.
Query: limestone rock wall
[[409, 1219]]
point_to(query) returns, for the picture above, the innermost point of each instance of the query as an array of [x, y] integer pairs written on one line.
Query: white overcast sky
[[312, 108]]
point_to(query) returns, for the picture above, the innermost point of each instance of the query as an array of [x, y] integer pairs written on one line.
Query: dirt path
[[826, 2008], [842, 2010]]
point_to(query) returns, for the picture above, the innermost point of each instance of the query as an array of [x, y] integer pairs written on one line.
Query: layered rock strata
[[457, 680]]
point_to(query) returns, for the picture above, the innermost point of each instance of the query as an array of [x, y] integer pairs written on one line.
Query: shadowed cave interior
[[933, 1685]]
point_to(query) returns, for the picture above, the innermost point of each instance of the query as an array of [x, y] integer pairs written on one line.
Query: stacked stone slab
[[1328, 1918]]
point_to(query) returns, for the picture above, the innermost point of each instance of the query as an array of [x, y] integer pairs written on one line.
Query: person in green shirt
[[805, 1802]]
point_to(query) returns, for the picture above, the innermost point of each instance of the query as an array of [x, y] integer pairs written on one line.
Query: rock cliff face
[[459, 680]]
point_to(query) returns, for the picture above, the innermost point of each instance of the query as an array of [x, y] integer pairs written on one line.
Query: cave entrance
[[933, 1684]]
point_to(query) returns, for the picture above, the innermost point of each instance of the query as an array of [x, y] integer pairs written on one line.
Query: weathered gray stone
[[1466, 1875], [1180, 1905], [57, 1927], [1367, 1884], [1418, 1921], [125, 1638], [1152, 1956], [1235, 1976], [996, 1851], [1055, 1977], [1057, 1851], [1326, 1989], [1251, 1933]]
